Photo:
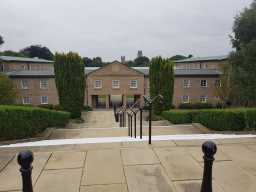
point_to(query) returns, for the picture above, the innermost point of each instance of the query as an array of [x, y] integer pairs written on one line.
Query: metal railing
[[209, 149]]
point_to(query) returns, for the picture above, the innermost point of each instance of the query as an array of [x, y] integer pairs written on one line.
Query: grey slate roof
[[194, 59], [24, 59], [144, 70]]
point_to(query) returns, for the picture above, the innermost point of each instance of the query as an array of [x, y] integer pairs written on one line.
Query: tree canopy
[[7, 92], [161, 77], [243, 60], [70, 82], [37, 51], [1, 40]]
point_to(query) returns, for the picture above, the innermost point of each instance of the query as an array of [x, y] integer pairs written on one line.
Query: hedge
[[179, 116], [20, 122], [217, 119]]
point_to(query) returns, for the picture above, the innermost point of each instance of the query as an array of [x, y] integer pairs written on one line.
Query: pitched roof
[[144, 70], [194, 59], [24, 59]]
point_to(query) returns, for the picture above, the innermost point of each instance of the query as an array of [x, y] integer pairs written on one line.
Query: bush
[[238, 119], [20, 122], [196, 106], [87, 108], [52, 107], [222, 120], [179, 116]]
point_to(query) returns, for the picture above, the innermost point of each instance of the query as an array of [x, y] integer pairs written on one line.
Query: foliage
[[12, 53], [236, 119], [87, 108], [161, 76], [244, 27], [20, 122], [244, 59], [141, 62], [7, 91], [179, 116], [51, 107], [1, 40], [70, 82], [37, 51], [196, 106]]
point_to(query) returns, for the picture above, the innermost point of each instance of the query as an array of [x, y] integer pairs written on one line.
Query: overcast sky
[[111, 28]]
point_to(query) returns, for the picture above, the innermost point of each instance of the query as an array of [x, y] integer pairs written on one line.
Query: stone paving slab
[[231, 178], [139, 156], [67, 180], [178, 164], [244, 157], [105, 188], [66, 160], [10, 178], [193, 142], [103, 167], [5, 158], [193, 186], [147, 178], [197, 154]]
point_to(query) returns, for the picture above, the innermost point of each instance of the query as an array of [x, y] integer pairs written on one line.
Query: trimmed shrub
[[222, 120], [87, 108], [196, 106], [238, 119], [51, 106], [179, 116], [20, 122]]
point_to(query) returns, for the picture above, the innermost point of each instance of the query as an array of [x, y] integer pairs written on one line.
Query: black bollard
[[209, 149], [25, 160], [141, 123], [120, 117], [149, 124], [135, 129]]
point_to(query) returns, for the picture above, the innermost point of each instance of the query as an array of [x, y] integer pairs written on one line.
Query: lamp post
[[149, 101]]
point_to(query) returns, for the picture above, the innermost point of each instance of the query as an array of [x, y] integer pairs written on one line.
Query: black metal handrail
[[149, 101], [209, 149]]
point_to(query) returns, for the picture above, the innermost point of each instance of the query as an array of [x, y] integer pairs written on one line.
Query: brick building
[[196, 80]]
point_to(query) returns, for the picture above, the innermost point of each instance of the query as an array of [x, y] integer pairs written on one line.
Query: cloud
[[117, 27]]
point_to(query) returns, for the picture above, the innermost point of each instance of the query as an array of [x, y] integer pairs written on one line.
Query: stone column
[[107, 101]]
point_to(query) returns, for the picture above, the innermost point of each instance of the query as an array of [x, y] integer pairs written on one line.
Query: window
[[24, 84], [185, 99], [115, 84], [203, 99], [98, 84], [44, 84], [204, 83], [44, 99], [26, 100], [218, 83], [134, 84], [186, 83]]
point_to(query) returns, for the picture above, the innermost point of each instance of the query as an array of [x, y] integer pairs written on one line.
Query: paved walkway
[[164, 166]]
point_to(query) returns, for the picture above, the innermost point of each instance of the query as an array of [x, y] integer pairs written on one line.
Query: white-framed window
[[203, 83], [44, 99], [98, 84], [217, 83], [24, 84], [203, 99], [185, 99], [115, 84], [44, 83], [134, 84], [26, 100], [186, 83]]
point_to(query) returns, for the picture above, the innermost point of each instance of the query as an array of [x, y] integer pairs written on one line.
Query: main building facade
[[196, 80]]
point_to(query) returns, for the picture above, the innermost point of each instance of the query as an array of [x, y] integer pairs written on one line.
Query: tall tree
[[243, 60], [141, 61], [70, 82], [38, 51], [1, 40], [161, 76], [12, 53], [97, 62], [7, 91]]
